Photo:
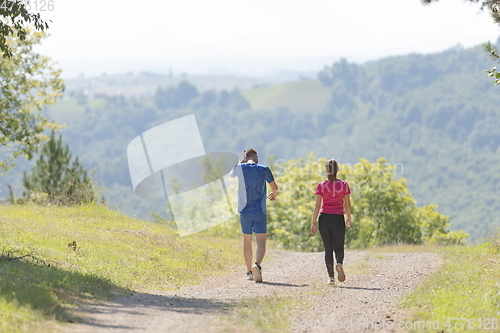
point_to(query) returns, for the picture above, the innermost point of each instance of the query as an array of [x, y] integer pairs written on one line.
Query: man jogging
[[252, 178]]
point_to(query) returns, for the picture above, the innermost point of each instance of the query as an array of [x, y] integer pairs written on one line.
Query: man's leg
[[261, 247], [247, 250], [246, 229], [261, 250]]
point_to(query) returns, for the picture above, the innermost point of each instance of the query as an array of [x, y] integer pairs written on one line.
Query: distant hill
[[146, 83]]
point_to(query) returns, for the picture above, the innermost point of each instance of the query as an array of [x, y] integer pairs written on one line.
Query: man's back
[[252, 179]]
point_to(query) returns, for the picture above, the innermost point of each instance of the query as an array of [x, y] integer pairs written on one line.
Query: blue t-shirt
[[252, 178]]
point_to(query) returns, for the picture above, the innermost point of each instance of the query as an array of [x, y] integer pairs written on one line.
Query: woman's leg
[[338, 229], [325, 223]]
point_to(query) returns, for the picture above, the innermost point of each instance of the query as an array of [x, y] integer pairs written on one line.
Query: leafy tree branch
[[15, 22], [28, 83]]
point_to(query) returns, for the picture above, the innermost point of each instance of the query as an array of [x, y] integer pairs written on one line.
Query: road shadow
[[358, 288], [280, 284], [139, 305]]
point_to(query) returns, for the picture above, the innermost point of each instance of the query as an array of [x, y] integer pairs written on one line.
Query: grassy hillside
[[54, 257], [71, 110], [303, 96]]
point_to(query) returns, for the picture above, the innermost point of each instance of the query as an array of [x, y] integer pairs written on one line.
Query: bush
[[383, 210]]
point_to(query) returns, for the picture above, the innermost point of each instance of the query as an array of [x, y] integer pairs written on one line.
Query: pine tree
[[64, 184]]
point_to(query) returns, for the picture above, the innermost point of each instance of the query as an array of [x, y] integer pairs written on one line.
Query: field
[[71, 254], [303, 96], [54, 258]]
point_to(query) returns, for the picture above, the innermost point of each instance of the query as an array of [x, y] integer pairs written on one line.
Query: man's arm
[[232, 172], [243, 160], [272, 196]]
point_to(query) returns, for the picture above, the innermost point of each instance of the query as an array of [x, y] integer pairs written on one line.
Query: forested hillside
[[435, 117]]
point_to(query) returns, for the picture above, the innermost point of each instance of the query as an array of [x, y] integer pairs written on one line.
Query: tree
[[384, 212], [493, 55], [175, 97], [494, 10], [28, 83], [233, 100], [64, 184], [492, 5], [14, 20], [349, 74]]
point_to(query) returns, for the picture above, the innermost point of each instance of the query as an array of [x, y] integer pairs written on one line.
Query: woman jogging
[[332, 201]]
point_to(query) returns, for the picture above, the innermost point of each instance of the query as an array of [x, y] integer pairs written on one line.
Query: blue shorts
[[255, 223]]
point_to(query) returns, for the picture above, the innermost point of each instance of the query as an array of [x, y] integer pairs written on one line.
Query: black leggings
[[332, 230]]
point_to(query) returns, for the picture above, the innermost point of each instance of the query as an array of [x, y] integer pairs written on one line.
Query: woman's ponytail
[[331, 169]]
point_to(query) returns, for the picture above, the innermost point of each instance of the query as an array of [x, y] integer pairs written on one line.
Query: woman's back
[[333, 193]]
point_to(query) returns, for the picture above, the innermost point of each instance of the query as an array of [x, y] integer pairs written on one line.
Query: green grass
[[300, 96], [361, 267], [271, 313], [92, 253], [68, 110], [378, 256], [406, 248], [33, 292], [463, 295]]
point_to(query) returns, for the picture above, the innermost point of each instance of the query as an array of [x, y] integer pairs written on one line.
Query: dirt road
[[366, 301]]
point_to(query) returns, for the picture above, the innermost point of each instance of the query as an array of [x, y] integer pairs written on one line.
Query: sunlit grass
[[405, 248], [464, 294], [378, 256], [360, 267], [98, 241], [271, 313], [93, 253], [290, 95]]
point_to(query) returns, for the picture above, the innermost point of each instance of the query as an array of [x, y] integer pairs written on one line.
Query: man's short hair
[[250, 153]]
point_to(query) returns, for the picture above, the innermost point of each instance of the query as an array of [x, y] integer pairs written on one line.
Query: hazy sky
[[194, 29]]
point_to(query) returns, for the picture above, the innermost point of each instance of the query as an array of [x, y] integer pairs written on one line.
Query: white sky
[[279, 29]]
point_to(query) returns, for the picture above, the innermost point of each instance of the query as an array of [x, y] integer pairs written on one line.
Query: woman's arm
[[317, 206], [347, 209]]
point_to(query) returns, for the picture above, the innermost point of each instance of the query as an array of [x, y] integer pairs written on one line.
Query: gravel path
[[366, 301]]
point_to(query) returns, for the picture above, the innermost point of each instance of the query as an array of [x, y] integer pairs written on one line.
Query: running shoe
[[257, 272], [340, 271], [249, 276], [331, 281]]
